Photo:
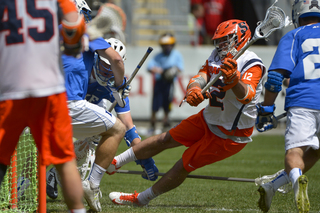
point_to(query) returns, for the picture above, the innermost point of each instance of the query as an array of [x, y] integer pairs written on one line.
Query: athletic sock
[[125, 157], [294, 174], [77, 211], [96, 174], [145, 196], [281, 180]]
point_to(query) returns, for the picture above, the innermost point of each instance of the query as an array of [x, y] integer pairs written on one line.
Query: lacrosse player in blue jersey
[[90, 119], [297, 58], [100, 87]]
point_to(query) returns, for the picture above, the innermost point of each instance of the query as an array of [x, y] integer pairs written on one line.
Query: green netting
[[19, 190]]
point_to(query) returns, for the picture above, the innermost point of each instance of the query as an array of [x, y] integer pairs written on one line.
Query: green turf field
[[265, 155]]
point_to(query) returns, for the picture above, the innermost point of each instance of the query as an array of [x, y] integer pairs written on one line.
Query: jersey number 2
[[312, 61]]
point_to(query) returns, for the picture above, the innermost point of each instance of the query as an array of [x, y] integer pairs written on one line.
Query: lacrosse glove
[[121, 92], [150, 169], [266, 119], [230, 73], [195, 97]]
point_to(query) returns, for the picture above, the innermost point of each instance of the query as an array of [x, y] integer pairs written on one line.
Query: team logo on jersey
[[314, 3]]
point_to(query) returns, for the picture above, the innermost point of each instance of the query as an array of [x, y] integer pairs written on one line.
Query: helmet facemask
[[102, 73], [225, 45]]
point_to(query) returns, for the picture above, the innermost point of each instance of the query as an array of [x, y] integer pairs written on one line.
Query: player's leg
[[71, 184], [89, 120], [53, 136], [302, 135]]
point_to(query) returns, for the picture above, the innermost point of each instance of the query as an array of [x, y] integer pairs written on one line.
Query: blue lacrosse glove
[[149, 167], [266, 119]]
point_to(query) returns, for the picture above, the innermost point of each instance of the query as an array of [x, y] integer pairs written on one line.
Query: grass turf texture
[[265, 155]]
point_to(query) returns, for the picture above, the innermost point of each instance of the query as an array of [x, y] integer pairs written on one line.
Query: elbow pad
[[274, 81], [249, 96]]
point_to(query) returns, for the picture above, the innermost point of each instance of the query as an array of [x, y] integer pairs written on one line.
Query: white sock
[[125, 157], [96, 174], [294, 174], [145, 196], [281, 180], [77, 210]]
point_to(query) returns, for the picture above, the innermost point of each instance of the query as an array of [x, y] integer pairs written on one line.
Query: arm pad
[[130, 135], [274, 81]]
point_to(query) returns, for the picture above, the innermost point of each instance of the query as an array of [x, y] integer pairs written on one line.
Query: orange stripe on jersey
[[252, 76], [67, 6]]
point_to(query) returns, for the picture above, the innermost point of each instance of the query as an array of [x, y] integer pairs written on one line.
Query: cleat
[[301, 194], [121, 198], [266, 192], [92, 195], [52, 189], [112, 168]]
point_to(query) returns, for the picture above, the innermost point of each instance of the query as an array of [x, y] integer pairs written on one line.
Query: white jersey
[[29, 53], [225, 111]]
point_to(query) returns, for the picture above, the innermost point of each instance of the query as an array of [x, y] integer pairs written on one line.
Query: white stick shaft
[[150, 49]]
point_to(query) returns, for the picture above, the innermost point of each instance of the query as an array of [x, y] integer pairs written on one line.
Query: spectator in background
[[196, 22], [165, 67], [215, 12]]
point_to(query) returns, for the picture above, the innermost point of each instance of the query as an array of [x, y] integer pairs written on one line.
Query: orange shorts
[[204, 147], [49, 122]]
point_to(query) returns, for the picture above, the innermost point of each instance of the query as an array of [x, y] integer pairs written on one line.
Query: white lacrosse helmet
[[83, 8], [118, 46], [105, 77], [302, 8]]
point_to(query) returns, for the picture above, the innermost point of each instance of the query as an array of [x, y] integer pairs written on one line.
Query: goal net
[[19, 189]]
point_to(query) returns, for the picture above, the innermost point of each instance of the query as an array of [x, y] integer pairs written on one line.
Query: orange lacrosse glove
[[231, 75], [195, 97], [72, 34]]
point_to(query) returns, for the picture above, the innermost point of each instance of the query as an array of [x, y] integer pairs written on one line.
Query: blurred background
[[192, 26]]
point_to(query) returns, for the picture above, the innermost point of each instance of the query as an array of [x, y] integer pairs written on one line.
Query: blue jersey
[[166, 61], [96, 93], [78, 70], [298, 54]]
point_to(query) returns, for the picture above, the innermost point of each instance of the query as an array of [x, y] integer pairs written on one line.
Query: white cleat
[[301, 194], [92, 195], [266, 192], [121, 198]]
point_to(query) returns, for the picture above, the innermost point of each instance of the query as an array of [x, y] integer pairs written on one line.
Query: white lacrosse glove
[[266, 119], [118, 93], [126, 91]]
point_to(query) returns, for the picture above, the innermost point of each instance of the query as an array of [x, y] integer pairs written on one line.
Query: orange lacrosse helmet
[[230, 37]]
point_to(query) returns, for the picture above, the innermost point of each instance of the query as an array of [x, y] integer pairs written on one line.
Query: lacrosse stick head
[[275, 19], [230, 37], [83, 8], [302, 9], [116, 20]]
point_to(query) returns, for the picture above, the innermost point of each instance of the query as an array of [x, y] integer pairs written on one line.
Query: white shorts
[[303, 128], [89, 119]]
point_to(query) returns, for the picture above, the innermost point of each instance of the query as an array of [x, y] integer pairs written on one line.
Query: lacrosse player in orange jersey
[[32, 92], [218, 131]]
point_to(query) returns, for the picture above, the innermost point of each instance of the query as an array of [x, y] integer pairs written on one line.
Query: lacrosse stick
[[267, 178], [110, 19], [149, 50], [190, 176], [275, 19]]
